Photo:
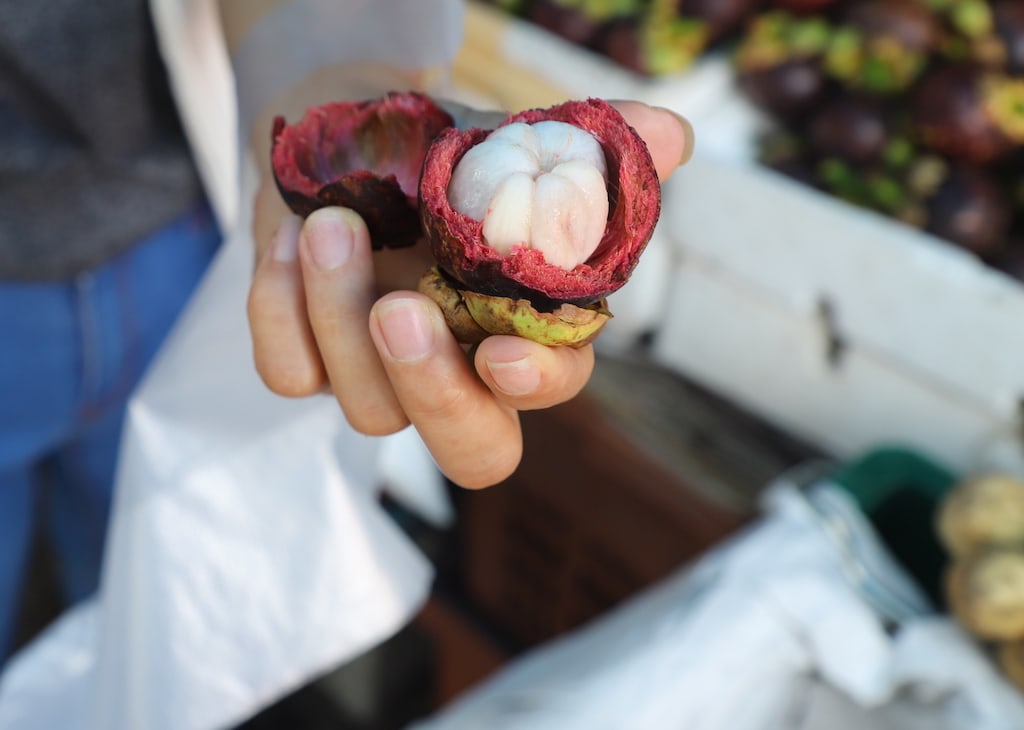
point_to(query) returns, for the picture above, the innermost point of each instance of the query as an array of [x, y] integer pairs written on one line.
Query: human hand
[[319, 321]]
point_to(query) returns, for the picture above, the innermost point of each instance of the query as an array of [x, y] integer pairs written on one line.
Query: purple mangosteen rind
[[364, 155], [458, 244]]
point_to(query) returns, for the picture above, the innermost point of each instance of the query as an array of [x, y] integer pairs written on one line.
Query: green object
[[900, 491], [874, 478]]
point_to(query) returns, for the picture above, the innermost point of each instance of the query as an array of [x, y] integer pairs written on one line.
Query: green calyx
[[472, 316]]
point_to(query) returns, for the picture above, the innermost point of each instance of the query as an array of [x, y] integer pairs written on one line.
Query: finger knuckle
[[493, 466], [290, 380], [377, 421]]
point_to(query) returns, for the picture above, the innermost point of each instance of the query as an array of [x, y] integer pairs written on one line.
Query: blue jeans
[[71, 353]]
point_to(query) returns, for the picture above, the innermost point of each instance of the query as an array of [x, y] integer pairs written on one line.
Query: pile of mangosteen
[[912, 108], [649, 37]]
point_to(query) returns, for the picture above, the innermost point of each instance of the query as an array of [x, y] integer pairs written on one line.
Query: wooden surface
[[587, 520]]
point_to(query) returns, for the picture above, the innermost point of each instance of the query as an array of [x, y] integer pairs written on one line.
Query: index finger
[[668, 135]]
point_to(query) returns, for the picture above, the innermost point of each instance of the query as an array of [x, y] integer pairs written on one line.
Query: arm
[[319, 319]]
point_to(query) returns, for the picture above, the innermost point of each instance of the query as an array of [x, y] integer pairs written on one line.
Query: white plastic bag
[[766, 632], [247, 549]]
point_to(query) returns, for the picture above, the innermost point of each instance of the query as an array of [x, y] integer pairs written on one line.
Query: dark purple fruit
[[805, 6], [972, 210], [654, 47], [882, 46], [786, 90], [908, 23], [969, 113], [720, 17], [564, 21], [1008, 22], [778, 63], [852, 128], [578, 21]]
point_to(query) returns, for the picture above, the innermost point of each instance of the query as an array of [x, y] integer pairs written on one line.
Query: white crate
[[846, 327]]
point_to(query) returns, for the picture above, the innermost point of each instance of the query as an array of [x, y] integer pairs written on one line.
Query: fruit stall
[[837, 270]]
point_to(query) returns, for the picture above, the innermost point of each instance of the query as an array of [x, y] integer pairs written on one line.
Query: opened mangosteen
[[363, 155], [969, 112], [533, 224]]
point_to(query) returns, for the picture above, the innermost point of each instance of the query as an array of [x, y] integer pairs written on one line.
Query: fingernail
[[689, 138], [407, 328], [284, 246], [331, 238], [518, 377]]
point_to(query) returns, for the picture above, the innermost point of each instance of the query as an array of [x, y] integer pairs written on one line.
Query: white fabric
[[761, 634]]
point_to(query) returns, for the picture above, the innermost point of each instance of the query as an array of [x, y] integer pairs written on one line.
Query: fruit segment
[[539, 186]]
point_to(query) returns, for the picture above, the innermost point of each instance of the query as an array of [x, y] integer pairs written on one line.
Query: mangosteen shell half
[[634, 191], [364, 155]]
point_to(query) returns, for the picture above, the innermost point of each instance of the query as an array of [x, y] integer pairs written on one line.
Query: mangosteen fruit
[[969, 112], [720, 17], [970, 209], [778, 63], [578, 21], [534, 223], [882, 46], [851, 127], [654, 46], [364, 155], [805, 6], [1008, 26]]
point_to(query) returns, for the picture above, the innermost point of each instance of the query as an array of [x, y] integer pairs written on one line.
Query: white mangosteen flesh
[[541, 186]]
